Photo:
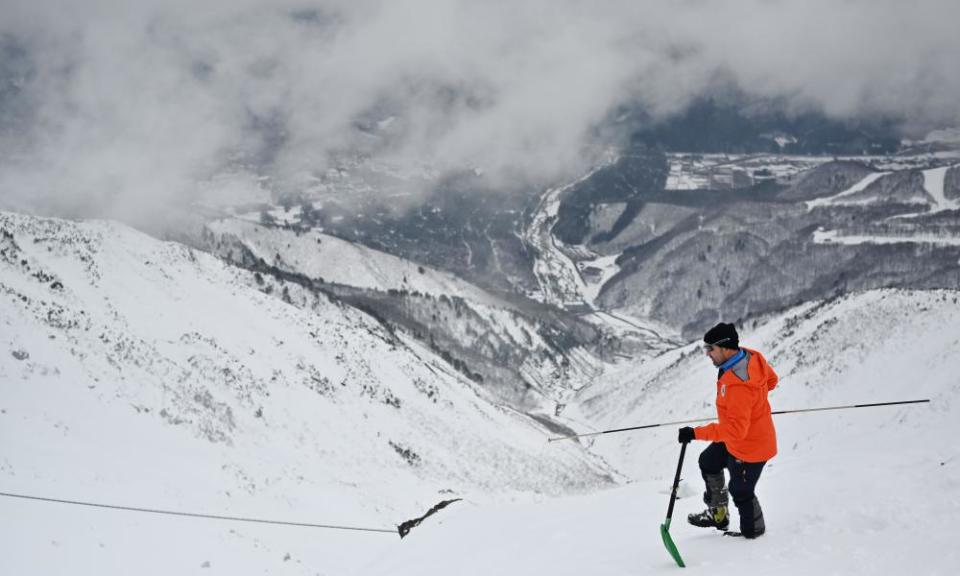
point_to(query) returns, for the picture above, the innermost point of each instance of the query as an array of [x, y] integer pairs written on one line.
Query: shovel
[[665, 527]]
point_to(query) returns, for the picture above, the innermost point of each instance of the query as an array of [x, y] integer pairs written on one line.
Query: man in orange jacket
[[742, 440]]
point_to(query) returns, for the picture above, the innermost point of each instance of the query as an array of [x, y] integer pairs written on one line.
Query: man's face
[[717, 354]]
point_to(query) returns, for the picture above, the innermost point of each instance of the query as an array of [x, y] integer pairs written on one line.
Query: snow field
[[155, 376], [864, 491]]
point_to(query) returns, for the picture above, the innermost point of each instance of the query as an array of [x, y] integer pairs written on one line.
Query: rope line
[[777, 412], [194, 514]]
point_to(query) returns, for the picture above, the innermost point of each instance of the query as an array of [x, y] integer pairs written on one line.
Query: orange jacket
[[745, 424]]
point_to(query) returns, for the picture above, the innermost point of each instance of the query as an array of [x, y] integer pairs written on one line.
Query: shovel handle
[[676, 483]]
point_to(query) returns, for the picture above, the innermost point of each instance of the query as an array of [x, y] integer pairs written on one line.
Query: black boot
[[718, 518], [716, 498], [750, 530]]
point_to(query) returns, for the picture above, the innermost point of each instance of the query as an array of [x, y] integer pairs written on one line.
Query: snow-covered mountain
[[368, 259], [275, 370], [686, 257], [332, 259], [863, 491], [144, 373], [665, 238], [529, 355]]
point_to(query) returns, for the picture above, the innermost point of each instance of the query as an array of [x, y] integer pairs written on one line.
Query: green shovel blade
[[670, 546]]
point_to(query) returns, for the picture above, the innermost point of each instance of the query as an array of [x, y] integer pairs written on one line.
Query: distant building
[[578, 307], [742, 178], [729, 177], [592, 274]]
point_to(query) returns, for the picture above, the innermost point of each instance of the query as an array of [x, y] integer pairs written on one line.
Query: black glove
[[686, 435]]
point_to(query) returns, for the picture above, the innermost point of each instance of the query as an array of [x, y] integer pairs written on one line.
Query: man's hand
[[686, 435]]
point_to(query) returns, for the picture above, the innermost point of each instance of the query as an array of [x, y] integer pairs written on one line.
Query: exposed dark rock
[[411, 457]]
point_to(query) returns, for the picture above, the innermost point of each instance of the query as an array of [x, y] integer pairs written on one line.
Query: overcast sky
[[123, 103]]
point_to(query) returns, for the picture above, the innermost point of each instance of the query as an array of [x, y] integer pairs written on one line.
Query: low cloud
[[120, 108]]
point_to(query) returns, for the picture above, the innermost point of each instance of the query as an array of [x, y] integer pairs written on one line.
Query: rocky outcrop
[[524, 353]]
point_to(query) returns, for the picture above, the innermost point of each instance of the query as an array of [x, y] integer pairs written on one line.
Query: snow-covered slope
[[320, 255], [869, 347], [143, 373], [528, 355], [865, 491], [923, 188]]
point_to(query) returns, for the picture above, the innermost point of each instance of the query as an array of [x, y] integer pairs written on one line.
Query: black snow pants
[[743, 480]]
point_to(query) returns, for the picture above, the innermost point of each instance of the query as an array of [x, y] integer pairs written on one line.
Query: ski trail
[[821, 236], [933, 183], [858, 187]]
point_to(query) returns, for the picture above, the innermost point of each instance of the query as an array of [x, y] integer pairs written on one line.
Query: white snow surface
[[324, 256], [821, 236], [137, 382], [933, 183], [141, 373], [864, 491], [321, 256]]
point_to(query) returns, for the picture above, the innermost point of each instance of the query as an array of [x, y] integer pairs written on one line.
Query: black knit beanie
[[723, 335]]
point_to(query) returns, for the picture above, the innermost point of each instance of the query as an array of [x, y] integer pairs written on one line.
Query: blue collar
[[732, 361]]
